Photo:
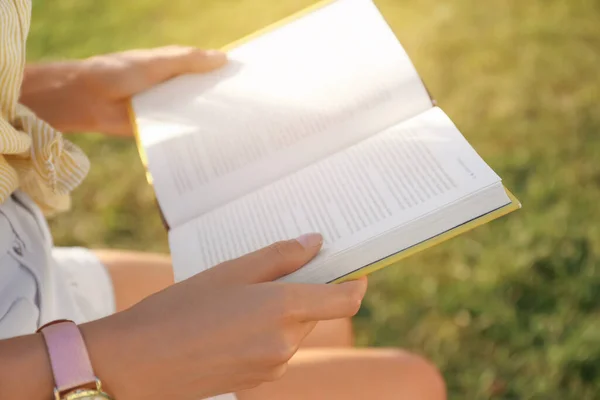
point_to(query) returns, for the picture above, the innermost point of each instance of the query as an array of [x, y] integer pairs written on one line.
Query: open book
[[319, 123]]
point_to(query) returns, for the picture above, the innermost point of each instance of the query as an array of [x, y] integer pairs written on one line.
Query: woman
[[229, 329]]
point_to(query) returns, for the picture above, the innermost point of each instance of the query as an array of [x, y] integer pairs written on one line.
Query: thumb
[[269, 263], [193, 60], [157, 65]]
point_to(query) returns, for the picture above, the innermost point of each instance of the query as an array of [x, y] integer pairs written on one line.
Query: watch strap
[[68, 354]]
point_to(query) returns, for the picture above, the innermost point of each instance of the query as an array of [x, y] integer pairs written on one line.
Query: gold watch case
[[84, 394]]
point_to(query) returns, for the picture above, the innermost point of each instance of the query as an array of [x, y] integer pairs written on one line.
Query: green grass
[[509, 311]]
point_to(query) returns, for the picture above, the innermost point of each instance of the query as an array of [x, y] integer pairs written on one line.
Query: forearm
[[48, 89], [25, 369]]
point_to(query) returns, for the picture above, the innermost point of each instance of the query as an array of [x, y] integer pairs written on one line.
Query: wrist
[[54, 92], [106, 341]]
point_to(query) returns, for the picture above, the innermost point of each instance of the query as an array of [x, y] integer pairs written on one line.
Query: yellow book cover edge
[[459, 230]]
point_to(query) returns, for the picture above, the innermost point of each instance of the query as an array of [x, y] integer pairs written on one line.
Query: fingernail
[[310, 240]]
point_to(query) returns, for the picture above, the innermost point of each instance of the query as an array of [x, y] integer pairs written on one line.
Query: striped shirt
[[33, 156]]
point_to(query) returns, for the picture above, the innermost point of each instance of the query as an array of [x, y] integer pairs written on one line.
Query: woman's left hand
[[92, 94]]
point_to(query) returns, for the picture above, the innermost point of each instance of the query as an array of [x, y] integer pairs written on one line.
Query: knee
[[418, 376]]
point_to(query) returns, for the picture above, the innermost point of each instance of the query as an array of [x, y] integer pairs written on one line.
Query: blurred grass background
[[509, 311]]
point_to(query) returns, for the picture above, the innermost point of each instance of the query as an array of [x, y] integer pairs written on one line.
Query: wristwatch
[[73, 374]]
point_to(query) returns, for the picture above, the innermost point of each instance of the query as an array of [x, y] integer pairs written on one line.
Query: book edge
[[514, 205], [144, 158]]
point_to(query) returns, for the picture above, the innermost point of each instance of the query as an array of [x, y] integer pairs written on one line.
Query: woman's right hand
[[223, 330]]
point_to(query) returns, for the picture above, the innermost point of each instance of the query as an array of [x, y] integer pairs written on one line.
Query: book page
[[398, 176], [287, 99]]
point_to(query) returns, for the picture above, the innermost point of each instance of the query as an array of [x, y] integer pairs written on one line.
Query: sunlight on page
[[289, 98]]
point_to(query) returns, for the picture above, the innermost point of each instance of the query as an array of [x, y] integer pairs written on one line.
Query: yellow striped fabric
[[33, 156]]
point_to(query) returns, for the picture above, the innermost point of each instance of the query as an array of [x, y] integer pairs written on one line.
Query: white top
[[40, 283]]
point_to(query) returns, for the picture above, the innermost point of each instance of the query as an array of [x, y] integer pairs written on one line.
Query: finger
[[157, 65], [269, 263], [324, 302], [296, 336]]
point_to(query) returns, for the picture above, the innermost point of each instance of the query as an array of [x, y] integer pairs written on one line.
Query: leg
[[137, 275], [354, 374]]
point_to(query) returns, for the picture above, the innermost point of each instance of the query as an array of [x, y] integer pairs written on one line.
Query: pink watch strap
[[69, 358]]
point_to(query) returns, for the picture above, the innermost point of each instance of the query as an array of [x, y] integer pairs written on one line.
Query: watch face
[[86, 394]]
